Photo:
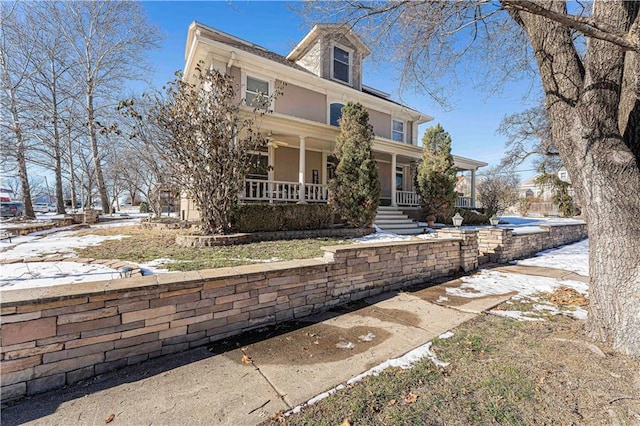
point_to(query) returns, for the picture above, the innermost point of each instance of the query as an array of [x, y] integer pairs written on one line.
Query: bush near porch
[[469, 217], [281, 217]]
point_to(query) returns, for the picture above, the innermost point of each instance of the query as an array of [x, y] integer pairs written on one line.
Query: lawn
[[144, 245], [500, 371]]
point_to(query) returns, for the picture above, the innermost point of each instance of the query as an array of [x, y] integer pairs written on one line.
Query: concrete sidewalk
[[242, 381]]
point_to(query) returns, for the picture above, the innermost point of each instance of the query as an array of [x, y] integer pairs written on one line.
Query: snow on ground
[[40, 274], [489, 283], [573, 257], [58, 244], [381, 236], [404, 362]]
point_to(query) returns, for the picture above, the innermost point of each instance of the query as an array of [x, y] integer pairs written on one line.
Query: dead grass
[[501, 372], [143, 245]]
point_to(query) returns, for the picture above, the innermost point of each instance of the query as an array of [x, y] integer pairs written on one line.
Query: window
[[254, 88], [259, 167], [397, 131], [399, 178], [335, 113], [340, 64]]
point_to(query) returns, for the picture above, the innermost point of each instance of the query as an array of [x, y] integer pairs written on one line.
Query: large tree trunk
[[21, 159], [602, 159], [102, 188]]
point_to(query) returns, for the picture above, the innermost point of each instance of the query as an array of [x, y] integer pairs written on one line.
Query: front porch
[[271, 191]]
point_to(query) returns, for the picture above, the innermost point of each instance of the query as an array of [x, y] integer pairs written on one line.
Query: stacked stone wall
[[56, 336]]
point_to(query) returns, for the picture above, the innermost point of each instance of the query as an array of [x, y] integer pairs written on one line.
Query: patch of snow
[[488, 283], [115, 223], [404, 362], [573, 257], [381, 236], [58, 244], [155, 266], [345, 345], [578, 313], [442, 299], [247, 259], [517, 315], [367, 337], [42, 274], [526, 230], [446, 335]]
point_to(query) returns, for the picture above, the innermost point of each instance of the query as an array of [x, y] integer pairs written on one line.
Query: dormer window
[[335, 114], [397, 132], [341, 64]]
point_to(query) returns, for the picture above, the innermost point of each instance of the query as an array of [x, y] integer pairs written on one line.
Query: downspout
[[233, 58]]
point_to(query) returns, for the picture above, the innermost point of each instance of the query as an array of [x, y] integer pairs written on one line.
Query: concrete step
[[396, 224], [391, 217], [413, 231]]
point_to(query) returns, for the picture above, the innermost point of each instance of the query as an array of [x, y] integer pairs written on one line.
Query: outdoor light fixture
[[494, 220], [457, 220]]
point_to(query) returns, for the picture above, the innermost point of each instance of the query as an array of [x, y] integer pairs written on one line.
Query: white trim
[[243, 86], [404, 129], [350, 64], [250, 62]]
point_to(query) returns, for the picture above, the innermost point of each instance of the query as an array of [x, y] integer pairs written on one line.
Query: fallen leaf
[[392, 402], [110, 418], [246, 359], [411, 398], [345, 423], [541, 380]]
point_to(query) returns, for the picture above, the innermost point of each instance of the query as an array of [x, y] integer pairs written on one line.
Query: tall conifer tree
[[355, 189], [436, 177]]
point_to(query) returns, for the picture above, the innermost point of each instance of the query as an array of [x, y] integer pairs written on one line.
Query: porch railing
[[411, 199], [280, 191], [287, 192], [464, 202], [407, 198]]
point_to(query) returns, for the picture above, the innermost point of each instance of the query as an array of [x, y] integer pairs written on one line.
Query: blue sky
[[471, 120]]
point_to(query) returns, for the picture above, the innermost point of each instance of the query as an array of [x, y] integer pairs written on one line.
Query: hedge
[[468, 216], [281, 217]]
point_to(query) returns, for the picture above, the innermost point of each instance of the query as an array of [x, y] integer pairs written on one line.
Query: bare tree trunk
[[102, 188], [583, 104], [22, 161], [72, 172]]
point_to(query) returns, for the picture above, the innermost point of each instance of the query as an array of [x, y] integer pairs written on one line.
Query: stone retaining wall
[[56, 336], [246, 238], [501, 245]]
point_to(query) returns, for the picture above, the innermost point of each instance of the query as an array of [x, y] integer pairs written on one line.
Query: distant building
[[541, 196]]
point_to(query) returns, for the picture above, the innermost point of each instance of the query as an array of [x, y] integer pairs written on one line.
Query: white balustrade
[[407, 198], [280, 191]]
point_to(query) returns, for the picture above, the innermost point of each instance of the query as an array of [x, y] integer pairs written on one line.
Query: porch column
[[473, 188], [324, 167], [393, 180], [271, 162], [301, 170]]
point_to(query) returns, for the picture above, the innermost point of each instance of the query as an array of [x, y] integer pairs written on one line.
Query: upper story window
[[397, 131], [254, 88], [335, 113], [341, 64]]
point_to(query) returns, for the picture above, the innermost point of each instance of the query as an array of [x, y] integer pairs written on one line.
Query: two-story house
[[321, 74]]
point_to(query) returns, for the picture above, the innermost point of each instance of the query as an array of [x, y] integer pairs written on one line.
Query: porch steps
[[391, 219]]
